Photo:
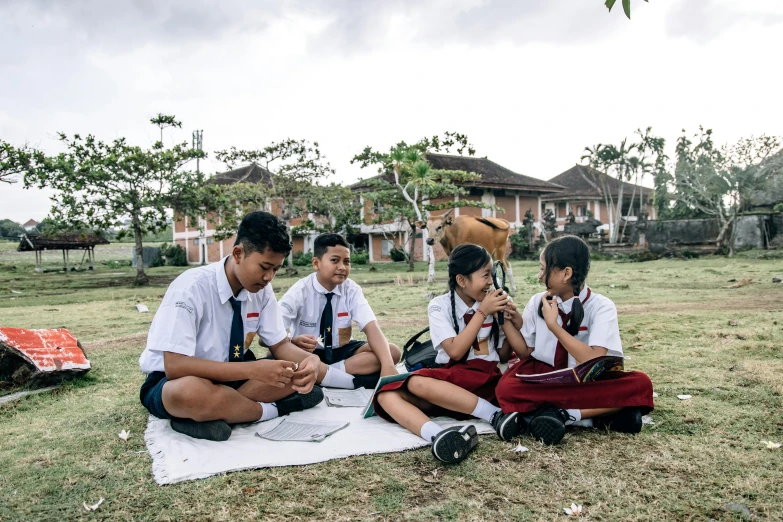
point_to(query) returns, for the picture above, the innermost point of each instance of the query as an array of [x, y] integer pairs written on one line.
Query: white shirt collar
[[566, 306], [461, 307], [224, 288], [321, 290]]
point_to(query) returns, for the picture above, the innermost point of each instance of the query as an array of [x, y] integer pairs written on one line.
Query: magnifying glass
[[499, 281]]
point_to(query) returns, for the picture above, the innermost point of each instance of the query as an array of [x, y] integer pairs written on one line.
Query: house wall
[[509, 205], [298, 242], [470, 211], [528, 202]]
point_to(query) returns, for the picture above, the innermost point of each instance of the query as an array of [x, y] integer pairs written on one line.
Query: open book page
[[369, 409], [302, 430], [588, 371], [347, 398]]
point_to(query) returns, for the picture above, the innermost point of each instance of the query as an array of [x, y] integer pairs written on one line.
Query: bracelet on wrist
[[479, 310]]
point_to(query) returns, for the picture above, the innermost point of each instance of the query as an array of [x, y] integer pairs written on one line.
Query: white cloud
[[531, 83]]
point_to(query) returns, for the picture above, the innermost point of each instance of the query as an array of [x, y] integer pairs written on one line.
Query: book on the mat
[[369, 409], [302, 430], [347, 398], [588, 371]]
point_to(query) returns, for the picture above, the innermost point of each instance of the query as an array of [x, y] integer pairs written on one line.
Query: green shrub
[[397, 254], [174, 255], [359, 258], [303, 258], [519, 245]]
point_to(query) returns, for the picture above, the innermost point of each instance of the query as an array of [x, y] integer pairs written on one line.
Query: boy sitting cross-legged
[[318, 311], [200, 373]]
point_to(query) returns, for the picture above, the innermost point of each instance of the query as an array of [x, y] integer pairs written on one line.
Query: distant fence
[[752, 231], [148, 256]]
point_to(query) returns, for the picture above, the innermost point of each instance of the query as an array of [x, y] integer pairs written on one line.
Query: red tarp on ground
[[50, 352]]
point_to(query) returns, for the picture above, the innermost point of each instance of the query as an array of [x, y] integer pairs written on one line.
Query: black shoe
[[507, 425], [547, 424], [453, 444], [627, 420], [300, 401], [367, 381], [216, 430]]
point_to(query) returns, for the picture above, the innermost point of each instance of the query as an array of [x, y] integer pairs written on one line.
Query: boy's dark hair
[[568, 251], [324, 241], [260, 231], [464, 260]]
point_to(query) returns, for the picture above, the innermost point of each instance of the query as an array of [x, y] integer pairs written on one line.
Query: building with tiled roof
[[583, 191], [514, 193]]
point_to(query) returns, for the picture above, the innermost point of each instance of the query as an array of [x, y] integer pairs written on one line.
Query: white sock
[[485, 410], [429, 430], [270, 411], [576, 414], [339, 365], [335, 378], [584, 423]]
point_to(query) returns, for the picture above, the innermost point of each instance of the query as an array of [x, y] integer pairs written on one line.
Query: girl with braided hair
[[562, 327], [470, 344]]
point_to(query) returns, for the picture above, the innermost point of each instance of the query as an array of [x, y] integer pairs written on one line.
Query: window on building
[[386, 247], [581, 210], [195, 241], [210, 240], [377, 208]]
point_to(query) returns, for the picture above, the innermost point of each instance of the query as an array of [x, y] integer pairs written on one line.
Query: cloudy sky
[[532, 82]]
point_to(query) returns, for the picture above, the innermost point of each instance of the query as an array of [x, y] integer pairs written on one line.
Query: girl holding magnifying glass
[[470, 343]]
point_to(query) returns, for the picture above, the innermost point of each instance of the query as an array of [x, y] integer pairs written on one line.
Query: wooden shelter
[[64, 242]]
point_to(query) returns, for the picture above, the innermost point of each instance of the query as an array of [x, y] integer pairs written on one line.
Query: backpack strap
[[411, 341]]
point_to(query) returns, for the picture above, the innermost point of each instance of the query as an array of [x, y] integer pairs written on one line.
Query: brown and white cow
[[491, 233]]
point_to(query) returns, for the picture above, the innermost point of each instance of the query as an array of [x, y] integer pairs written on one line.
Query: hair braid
[[454, 310]]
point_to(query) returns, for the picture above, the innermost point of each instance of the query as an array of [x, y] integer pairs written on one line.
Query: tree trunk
[[141, 277], [430, 256], [412, 246], [630, 208], [719, 241], [619, 212]]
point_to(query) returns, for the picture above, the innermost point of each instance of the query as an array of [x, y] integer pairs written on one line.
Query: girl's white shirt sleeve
[[441, 327], [604, 330], [529, 317]]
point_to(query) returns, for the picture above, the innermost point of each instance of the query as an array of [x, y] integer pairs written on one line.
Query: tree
[[407, 192], [718, 182], [626, 162], [296, 167], [336, 209], [103, 185], [163, 121], [12, 161], [626, 6], [10, 230]]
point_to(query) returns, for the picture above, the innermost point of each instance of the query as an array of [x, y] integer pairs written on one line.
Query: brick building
[[514, 193], [582, 193]]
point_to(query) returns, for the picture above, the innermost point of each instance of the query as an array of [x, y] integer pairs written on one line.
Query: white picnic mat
[[176, 457]]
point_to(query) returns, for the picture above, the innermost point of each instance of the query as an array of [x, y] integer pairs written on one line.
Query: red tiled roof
[[492, 174], [583, 182]]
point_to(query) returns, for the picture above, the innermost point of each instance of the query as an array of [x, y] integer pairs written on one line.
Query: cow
[[491, 233]]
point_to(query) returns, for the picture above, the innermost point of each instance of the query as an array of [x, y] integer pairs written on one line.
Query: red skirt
[[477, 376], [618, 390]]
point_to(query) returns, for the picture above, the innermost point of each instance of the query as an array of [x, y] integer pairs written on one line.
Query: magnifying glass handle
[[500, 318]]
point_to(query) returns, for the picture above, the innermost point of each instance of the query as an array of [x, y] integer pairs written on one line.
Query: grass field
[[679, 323]]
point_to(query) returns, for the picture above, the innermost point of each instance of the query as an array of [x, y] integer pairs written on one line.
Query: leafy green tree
[[414, 185], [626, 162], [10, 230], [163, 121], [296, 167], [718, 182], [13, 161], [104, 185]]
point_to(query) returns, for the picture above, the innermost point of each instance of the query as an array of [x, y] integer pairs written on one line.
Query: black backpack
[[417, 355]]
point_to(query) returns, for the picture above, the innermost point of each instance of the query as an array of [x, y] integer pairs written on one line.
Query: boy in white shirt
[[200, 373], [318, 312]]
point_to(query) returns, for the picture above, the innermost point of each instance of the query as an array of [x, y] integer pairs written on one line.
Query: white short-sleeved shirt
[[599, 326], [442, 328], [195, 318], [304, 303]]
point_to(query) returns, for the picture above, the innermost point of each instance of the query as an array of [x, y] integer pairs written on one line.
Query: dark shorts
[[342, 353], [151, 392]]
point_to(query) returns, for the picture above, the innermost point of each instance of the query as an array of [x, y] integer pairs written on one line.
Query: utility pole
[[198, 144]]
